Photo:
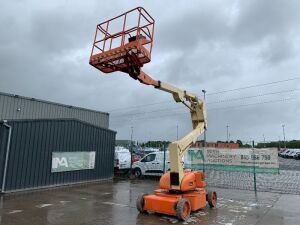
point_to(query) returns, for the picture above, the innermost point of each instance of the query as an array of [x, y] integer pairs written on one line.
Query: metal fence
[[287, 180]]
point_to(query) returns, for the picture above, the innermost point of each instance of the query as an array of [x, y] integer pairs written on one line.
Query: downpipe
[[7, 155]]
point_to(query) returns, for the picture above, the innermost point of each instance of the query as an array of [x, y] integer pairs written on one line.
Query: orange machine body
[[164, 200]]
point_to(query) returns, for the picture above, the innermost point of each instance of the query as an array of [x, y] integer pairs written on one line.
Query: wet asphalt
[[114, 203]]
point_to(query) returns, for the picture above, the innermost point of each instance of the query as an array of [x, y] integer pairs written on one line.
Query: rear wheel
[[183, 209], [140, 202], [212, 198], [137, 172]]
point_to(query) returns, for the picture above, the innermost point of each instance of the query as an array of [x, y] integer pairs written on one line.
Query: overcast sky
[[211, 45]]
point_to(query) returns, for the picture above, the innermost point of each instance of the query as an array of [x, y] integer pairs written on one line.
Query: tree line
[[280, 144], [272, 144]]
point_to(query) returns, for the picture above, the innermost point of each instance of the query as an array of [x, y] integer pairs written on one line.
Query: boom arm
[[129, 57], [199, 123]]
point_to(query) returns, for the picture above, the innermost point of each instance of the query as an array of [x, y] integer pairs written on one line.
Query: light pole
[[204, 144], [204, 141], [227, 132], [177, 131], [131, 150], [283, 135], [279, 143]]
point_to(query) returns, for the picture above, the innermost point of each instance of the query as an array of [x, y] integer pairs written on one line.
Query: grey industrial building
[[46, 144], [19, 107]]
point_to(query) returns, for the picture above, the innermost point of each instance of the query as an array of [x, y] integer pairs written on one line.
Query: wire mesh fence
[[287, 180]]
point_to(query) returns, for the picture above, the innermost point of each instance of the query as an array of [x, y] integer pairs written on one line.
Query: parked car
[[122, 159], [297, 155], [282, 150], [291, 154], [284, 153], [152, 164], [296, 151]]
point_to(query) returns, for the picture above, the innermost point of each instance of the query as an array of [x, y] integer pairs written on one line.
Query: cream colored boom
[[199, 122]]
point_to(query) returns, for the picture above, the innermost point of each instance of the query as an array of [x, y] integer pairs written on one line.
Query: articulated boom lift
[[181, 191]]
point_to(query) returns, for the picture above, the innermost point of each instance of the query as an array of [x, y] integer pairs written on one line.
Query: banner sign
[[243, 160], [69, 161]]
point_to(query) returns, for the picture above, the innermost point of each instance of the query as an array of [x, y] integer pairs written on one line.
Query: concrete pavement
[[114, 203]]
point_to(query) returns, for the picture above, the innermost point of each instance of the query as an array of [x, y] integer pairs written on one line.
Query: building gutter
[[7, 155]]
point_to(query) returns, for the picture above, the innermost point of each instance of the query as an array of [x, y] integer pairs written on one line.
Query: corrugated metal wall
[[17, 107], [32, 144]]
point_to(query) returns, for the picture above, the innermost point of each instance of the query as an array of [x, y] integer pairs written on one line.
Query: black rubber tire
[[211, 198], [137, 172], [181, 212], [140, 203]]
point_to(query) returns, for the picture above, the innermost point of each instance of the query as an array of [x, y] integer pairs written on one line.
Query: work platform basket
[[123, 41]]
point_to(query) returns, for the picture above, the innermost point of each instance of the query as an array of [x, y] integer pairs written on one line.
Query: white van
[[122, 159], [152, 164]]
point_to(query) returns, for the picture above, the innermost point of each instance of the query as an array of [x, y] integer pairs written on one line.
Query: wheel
[[131, 175], [212, 198], [137, 172], [140, 203], [183, 209]]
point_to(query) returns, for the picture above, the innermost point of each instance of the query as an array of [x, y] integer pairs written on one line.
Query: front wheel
[[137, 172], [212, 198], [183, 209], [140, 202]]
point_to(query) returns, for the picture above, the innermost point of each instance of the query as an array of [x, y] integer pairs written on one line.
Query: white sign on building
[[69, 161]]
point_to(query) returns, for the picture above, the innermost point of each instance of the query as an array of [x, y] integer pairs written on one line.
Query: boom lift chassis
[[181, 191]]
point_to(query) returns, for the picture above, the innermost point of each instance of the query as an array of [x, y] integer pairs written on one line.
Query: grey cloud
[[184, 31], [277, 50], [208, 61], [257, 20], [44, 54]]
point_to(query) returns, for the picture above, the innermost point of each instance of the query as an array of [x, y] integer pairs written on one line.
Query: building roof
[[20, 107], [50, 102]]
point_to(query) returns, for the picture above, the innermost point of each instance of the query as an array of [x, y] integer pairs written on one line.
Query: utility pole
[[149, 144], [131, 150], [283, 135], [264, 140], [227, 129], [254, 170], [204, 141], [177, 131], [204, 144]]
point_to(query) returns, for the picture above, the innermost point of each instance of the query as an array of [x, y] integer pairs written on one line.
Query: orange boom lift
[[124, 43]]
